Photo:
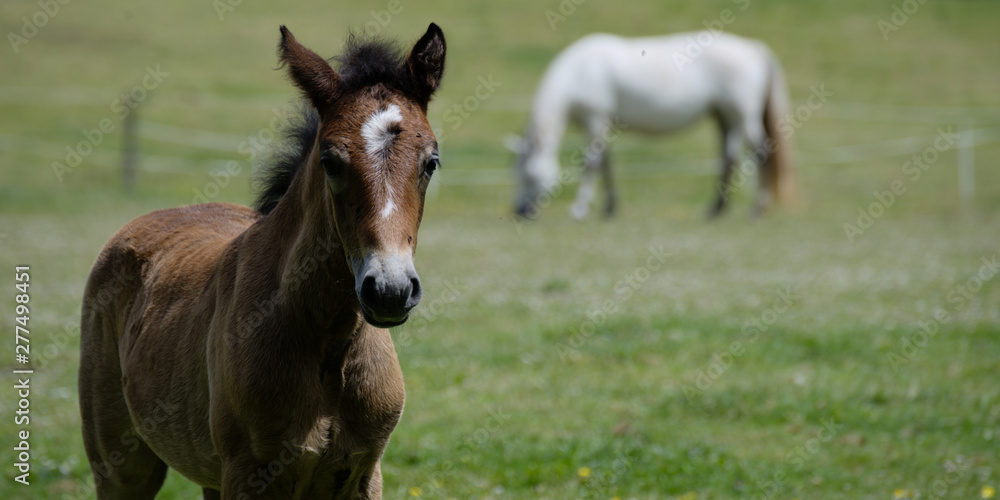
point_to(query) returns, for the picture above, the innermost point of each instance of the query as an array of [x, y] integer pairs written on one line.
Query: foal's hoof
[[578, 212]]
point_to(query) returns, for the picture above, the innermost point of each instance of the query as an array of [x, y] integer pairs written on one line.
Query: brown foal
[[247, 349]]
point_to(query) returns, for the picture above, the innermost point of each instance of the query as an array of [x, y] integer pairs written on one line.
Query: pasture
[[653, 355]]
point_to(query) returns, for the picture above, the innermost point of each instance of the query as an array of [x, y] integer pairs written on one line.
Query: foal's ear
[[426, 61], [311, 73]]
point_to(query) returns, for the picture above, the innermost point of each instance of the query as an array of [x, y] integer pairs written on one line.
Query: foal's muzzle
[[387, 287]]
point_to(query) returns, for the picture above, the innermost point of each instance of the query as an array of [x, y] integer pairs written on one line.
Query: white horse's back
[[656, 84], [653, 83]]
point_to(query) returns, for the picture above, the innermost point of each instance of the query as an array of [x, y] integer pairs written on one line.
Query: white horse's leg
[[761, 157], [596, 148], [732, 144], [610, 196]]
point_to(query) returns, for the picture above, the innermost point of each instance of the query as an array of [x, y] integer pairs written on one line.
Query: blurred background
[[847, 349]]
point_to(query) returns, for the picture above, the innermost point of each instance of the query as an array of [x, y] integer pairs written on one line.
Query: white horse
[[656, 84]]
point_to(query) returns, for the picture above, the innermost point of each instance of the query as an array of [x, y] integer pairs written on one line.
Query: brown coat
[[237, 346]]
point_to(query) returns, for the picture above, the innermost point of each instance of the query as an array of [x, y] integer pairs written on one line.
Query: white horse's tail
[[780, 158]]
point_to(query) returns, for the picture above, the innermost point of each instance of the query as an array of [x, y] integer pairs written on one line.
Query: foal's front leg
[[247, 478]]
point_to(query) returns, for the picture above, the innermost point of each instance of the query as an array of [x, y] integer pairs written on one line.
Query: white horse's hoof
[[578, 212]]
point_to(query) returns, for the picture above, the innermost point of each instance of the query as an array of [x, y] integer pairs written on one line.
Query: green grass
[[515, 387]]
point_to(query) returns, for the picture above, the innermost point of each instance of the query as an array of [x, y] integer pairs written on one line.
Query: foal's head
[[377, 153]]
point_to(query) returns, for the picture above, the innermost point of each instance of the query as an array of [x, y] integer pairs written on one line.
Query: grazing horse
[[247, 349], [654, 85]]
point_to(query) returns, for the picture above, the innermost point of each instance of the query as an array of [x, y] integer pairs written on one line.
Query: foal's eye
[[331, 163], [431, 164]]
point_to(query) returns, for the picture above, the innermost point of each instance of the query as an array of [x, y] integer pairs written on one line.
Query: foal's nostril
[[369, 291], [415, 293]]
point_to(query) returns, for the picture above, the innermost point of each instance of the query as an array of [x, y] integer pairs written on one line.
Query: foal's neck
[[315, 281]]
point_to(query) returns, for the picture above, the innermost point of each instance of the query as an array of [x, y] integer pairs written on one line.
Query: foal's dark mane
[[285, 158], [364, 63]]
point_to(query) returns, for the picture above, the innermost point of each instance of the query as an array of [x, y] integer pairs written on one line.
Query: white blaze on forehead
[[378, 133], [389, 207]]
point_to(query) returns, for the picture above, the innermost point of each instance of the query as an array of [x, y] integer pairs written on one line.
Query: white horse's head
[[537, 175]]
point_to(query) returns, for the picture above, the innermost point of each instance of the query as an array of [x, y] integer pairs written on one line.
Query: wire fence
[[975, 126]]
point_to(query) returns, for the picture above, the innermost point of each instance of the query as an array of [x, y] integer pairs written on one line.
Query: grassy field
[[650, 356]]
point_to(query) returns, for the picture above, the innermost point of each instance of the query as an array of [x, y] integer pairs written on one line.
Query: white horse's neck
[[549, 115], [548, 119]]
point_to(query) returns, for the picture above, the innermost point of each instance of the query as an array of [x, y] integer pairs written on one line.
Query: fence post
[[966, 164], [130, 149]]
